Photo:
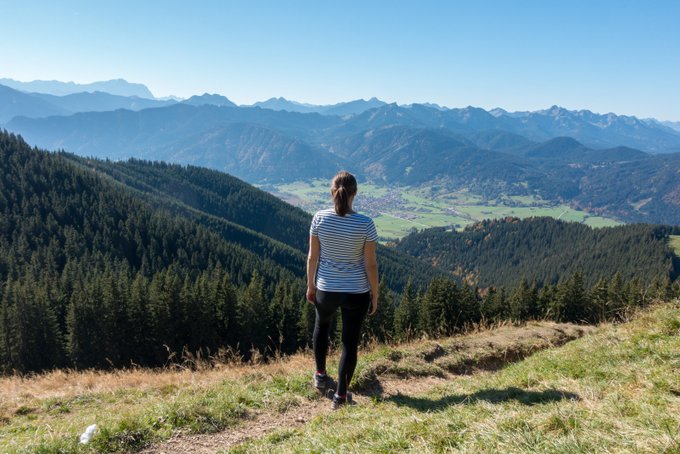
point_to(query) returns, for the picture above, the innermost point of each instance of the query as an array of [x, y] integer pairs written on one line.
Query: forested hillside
[[145, 261], [107, 264], [545, 250], [242, 213], [95, 276]]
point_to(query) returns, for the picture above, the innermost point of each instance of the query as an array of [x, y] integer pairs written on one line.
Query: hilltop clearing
[[456, 393]]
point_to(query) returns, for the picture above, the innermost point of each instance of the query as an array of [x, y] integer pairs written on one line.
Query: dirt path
[[489, 350], [259, 424]]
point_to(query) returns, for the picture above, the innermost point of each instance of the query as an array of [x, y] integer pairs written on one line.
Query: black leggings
[[354, 307]]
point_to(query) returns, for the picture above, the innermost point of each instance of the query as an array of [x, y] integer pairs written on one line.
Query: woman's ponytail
[[343, 188]]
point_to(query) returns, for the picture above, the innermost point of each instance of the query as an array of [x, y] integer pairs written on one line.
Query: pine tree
[[306, 323], [285, 315], [599, 298], [617, 298], [254, 318], [380, 326], [571, 303], [470, 307], [137, 333], [523, 301], [226, 310], [495, 306], [8, 347], [407, 314], [440, 309], [85, 336]]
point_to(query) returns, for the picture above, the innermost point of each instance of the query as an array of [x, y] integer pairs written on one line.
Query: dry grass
[[19, 390], [616, 390], [137, 407], [481, 350], [64, 384]]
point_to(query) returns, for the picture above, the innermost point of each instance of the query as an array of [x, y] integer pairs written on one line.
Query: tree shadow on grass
[[488, 395]]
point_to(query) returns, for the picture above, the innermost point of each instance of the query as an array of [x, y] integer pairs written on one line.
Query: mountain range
[[120, 87], [612, 165]]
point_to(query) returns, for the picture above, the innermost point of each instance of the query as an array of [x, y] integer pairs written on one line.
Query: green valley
[[397, 210]]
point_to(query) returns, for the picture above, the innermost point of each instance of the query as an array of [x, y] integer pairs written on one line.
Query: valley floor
[[398, 210], [616, 389]]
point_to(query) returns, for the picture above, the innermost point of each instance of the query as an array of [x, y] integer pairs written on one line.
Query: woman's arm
[[371, 266], [312, 264]]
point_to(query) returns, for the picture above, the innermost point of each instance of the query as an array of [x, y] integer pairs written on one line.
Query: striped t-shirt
[[341, 258]]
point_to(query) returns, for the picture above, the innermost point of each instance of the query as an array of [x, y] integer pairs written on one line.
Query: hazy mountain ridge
[[340, 109], [123, 134], [252, 152], [491, 153], [413, 156], [16, 103], [209, 99], [672, 124], [119, 87]]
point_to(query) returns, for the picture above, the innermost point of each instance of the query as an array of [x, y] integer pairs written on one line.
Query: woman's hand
[[374, 303], [312, 263], [311, 295]]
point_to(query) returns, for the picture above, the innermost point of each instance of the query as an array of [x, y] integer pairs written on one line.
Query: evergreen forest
[[119, 264]]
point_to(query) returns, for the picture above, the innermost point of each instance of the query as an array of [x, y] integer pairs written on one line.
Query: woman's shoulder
[[362, 218], [324, 212]]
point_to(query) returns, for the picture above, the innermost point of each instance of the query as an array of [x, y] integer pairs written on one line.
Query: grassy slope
[[616, 390]]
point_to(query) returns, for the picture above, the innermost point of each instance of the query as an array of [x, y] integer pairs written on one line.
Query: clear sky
[[608, 56]]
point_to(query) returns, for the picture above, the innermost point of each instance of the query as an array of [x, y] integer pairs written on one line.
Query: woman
[[341, 272]]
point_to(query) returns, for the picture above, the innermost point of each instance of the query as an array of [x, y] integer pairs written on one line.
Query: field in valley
[[398, 210], [674, 242]]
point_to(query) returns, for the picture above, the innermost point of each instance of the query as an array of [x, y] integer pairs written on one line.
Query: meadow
[[674, 243], [398, 210], [539, 387]]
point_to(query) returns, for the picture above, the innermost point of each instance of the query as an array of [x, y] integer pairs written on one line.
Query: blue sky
[[620, 56]]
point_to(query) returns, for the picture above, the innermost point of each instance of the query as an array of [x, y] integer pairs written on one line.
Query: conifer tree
[[617, 298], [523, 301], [380, 326], [137, 333], [285, 315], [8, 347], [85, 331], [495, 305], [254, 317], [470, 307], [599, 298], [226, 309], [407, 314], [571, 303], [306, 323], [440, 309]]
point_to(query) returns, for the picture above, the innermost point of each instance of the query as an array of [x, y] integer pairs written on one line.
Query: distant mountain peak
[[212, 99], [555, 111], [120, 87]]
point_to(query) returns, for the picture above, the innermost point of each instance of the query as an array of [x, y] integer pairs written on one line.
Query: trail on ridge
[[408, 371]]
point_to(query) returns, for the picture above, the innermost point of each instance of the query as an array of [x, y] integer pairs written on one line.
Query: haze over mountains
[[608, 164], [119, 87]]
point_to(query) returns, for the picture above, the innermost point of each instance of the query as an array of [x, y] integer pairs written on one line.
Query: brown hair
[[343, 188]]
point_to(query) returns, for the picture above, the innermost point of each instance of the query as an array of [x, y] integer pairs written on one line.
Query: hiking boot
[[322, 382], [338, 401]]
